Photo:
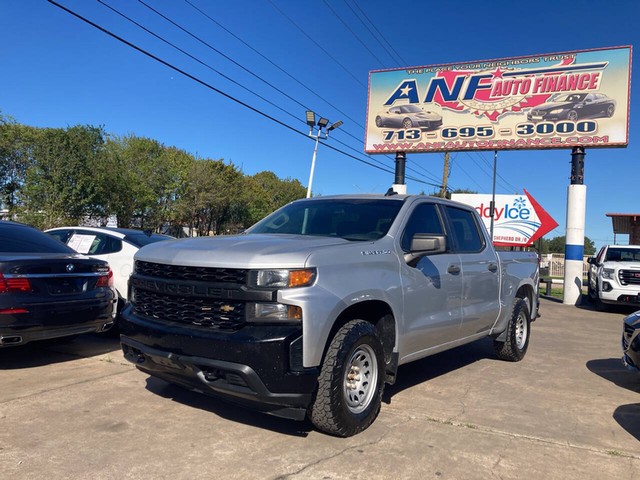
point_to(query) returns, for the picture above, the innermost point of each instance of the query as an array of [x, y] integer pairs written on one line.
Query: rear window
[[16, 238]]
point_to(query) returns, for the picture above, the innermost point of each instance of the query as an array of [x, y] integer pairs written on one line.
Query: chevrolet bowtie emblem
[[227, 308]]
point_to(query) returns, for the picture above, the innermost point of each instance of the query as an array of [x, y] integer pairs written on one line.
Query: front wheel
[[351, 381], [515, 345]]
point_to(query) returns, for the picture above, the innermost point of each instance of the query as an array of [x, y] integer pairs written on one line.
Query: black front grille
[[629, 277], [202, 312], [202, 274]]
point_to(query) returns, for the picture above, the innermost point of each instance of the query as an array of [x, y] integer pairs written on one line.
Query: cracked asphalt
[[568, 410]]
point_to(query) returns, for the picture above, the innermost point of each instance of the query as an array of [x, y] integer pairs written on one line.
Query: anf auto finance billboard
[[518, 220], [559, 100]]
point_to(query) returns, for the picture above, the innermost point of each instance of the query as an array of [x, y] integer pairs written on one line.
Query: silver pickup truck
[[311, 311]]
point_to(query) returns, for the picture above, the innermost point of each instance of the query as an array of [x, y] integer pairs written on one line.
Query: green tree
[[210, 198], [557, 244], [141, 180], [60, 187], [16, 154], [264, 192]]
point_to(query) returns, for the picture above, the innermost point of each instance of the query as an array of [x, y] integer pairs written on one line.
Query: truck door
[[480, 272], [432, 287]]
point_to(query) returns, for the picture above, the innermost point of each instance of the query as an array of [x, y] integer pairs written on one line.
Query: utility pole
[[445, 176]]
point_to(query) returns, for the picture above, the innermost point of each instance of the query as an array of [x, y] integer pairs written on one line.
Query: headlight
[[282, 278], [608, 273], [273, 312], [556, 111]]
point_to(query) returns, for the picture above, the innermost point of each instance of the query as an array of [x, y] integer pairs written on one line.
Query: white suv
[[115, 245], [614, 276]]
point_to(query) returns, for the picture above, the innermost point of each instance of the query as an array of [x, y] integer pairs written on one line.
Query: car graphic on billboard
[[572, 107], [408, 116]]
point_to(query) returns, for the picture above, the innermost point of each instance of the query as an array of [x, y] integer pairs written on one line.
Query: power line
[[403, 62], [346, 25], [223, 54], [236, 63], [271, 62], [198, 60], [371, 32], [317, 44], [207, 85]]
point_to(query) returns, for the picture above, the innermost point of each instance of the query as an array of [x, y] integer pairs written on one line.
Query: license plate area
[[67, 286]]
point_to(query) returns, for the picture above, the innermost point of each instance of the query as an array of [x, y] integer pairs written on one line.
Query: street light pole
[[323, 129], [313, 163]]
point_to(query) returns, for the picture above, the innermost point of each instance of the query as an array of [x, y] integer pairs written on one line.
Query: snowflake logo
[[520, 203]]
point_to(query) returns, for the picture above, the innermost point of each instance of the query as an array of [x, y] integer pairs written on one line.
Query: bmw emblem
[[70, 267]]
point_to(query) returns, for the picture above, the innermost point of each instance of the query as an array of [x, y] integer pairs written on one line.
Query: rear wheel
[[516, 343], [407, 123], [572, 116], [351, 381], [610, 110]]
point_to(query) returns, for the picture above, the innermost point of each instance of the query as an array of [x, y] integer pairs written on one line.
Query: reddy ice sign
[[556, 100], [518, 221]]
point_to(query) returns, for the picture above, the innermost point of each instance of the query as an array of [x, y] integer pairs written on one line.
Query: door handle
[[493, 267], [453, 269]]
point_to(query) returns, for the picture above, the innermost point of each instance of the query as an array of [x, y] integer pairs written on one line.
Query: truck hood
[[239, 251]]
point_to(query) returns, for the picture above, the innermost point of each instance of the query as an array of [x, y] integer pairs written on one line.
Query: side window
[[112, 245], [62, 235], [465, 230], [424, 219], [600, 256]]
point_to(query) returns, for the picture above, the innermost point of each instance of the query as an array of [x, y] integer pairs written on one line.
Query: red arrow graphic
[[546, 222]]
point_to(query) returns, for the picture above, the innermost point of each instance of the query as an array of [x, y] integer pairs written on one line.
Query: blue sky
[[283, 56]]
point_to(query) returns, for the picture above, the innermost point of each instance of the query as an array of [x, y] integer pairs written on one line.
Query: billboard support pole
[[399, 185], [574, 245], [492, 207]]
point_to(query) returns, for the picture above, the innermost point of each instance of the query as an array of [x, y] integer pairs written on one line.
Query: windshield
[[410, 109], [353, 219], [623, 255]]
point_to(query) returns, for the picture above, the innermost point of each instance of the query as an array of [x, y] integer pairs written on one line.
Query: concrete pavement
[[568, 410]]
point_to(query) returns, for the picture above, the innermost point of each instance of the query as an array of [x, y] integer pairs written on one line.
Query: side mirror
[[592, 261], [425, 244]]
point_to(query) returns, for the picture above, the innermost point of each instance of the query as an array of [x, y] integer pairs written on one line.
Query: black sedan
[[572, 107], [47, 290], [408, 116], [631, 341]]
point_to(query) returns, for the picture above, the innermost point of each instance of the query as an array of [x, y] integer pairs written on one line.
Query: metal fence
[[552, 265]]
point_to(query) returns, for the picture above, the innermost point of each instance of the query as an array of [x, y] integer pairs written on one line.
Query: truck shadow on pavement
[[37, 354], [431, 367], [611, 369], [228, 411]]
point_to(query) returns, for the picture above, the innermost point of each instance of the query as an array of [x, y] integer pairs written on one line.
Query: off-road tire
[[335, 408], [515, 346]]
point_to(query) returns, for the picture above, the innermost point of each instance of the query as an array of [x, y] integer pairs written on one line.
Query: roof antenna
[[390, 192]]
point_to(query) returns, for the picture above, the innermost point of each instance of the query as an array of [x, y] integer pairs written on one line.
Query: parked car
[[408, 116], [614, 276], [117, 246], [47, 290], [631, 341], [572, 107]]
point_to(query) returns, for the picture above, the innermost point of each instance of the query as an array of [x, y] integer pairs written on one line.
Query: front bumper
[[620, 296], [631, 342], [257, 366]]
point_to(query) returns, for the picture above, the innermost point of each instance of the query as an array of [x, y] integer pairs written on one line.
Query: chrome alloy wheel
[[360, 379]]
